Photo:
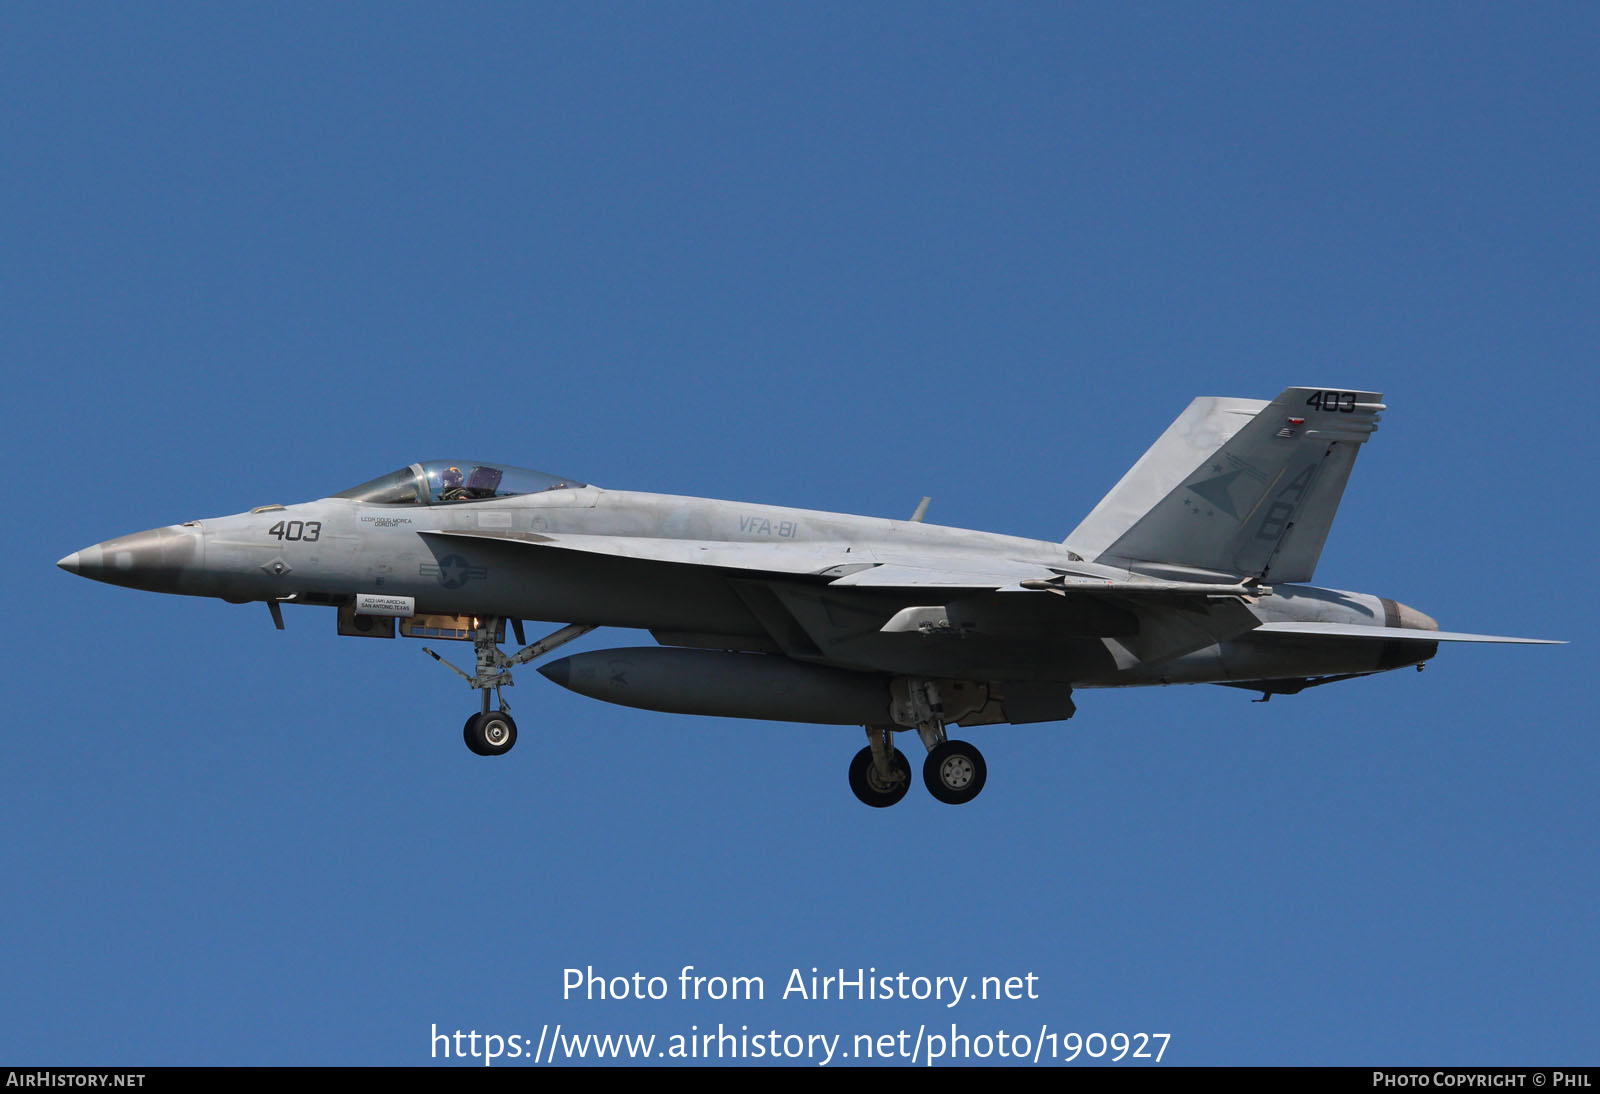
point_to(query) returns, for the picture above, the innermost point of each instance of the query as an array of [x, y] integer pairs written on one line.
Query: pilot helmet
[[451, 478]]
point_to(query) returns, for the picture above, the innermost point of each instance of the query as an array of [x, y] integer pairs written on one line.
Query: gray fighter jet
[[1193, 569]]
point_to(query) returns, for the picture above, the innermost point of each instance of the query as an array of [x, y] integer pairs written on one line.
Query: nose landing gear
[[493, 732], [490, 734]]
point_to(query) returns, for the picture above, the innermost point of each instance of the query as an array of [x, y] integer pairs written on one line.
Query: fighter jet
[[1195, 568]]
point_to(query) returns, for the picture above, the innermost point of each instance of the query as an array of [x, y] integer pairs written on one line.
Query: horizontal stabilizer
[[1068, 584], [1389, 634]]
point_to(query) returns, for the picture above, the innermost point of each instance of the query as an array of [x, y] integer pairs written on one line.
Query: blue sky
[[831, 256]]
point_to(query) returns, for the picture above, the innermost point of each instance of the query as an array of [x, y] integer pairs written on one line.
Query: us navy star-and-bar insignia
[[453, 571]]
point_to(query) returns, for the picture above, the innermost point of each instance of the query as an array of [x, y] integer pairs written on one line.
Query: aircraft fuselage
[[328, 551]]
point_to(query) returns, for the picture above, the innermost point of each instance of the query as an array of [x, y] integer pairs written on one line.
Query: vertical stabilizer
[[1237, 486], [1200, 430]]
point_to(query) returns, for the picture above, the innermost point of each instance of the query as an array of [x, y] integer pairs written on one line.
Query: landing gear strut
[[880, 774], [954, 771], [493, 732]]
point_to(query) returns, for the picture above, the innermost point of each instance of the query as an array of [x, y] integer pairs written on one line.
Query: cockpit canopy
[[440, 482]]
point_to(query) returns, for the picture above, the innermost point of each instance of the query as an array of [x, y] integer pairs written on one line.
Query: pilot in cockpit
[[482, 482], [451, 486]]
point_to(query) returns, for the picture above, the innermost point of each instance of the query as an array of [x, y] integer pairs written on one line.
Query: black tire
[[466, 734], [870, 789], [954, 772], [491, 734]]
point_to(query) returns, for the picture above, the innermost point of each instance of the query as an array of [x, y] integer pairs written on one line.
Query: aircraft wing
[[852, 567], [843, 563], [772, 558], [939, 572], [997, 596]]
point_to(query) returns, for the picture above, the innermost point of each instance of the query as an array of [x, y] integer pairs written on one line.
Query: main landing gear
[[880, 774], [494, 732], [954, 771]]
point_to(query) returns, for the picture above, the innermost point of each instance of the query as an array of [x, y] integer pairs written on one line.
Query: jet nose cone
[[156, 560]]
